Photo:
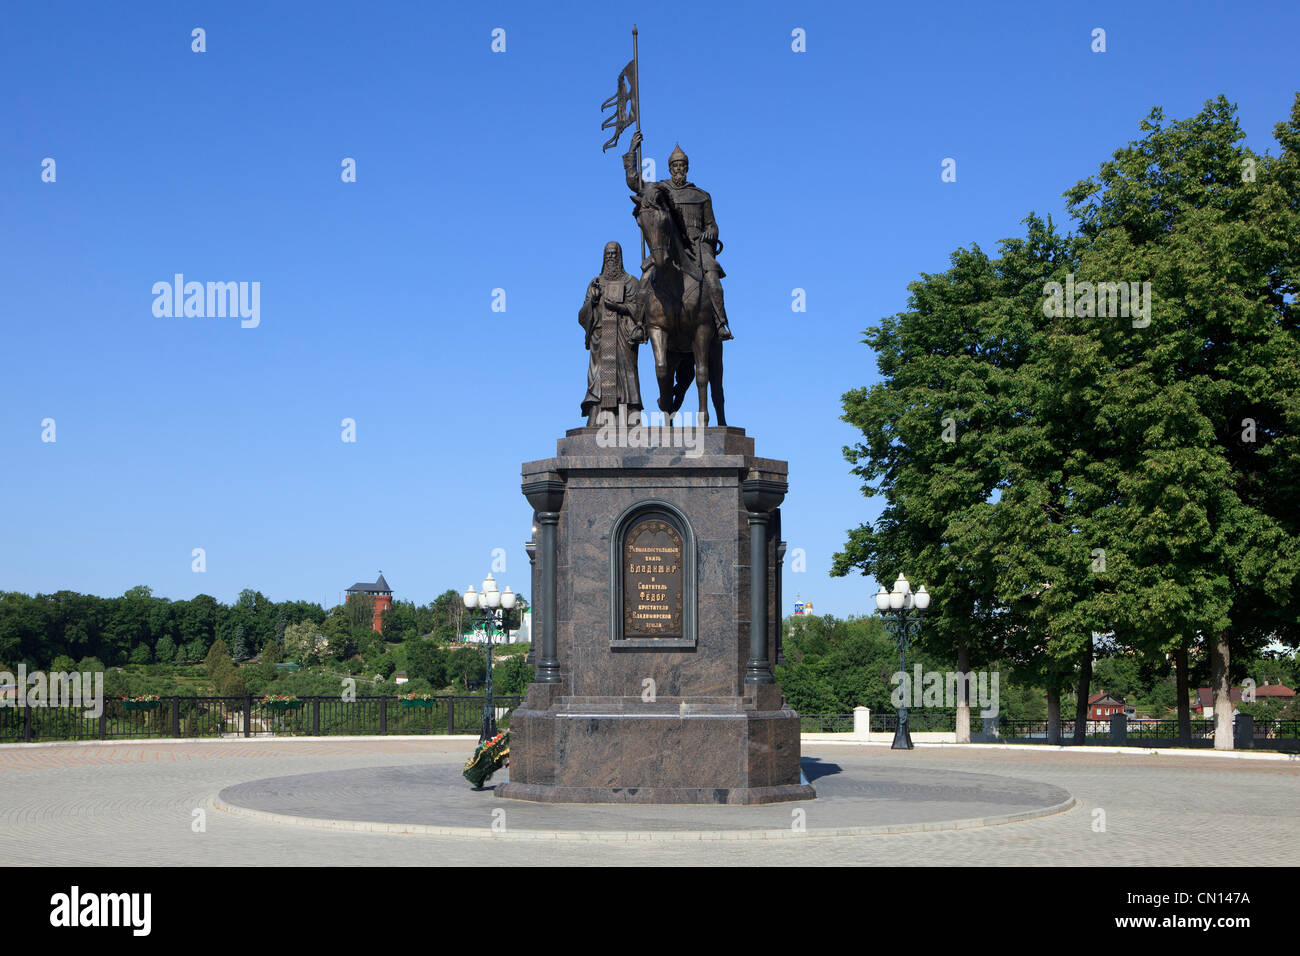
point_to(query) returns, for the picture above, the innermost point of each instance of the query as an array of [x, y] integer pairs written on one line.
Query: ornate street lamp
[[487, 613], [901, 610]]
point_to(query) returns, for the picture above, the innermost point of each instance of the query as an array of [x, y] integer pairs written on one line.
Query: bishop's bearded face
[[613, 264], [678, 168]]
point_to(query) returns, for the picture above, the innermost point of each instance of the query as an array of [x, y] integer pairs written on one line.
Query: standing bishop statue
[[613, 317]]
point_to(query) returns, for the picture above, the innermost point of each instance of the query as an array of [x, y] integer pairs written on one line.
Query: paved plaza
[[135, 804]]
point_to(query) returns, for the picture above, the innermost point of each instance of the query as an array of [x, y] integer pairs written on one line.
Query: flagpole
[[636, 79]]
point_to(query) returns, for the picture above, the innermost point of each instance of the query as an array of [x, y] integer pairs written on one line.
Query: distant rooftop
[[379, 587]]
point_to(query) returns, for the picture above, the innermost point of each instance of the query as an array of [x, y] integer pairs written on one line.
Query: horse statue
[[679, 316]]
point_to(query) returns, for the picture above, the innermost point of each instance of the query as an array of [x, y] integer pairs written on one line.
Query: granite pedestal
[[643, 707]]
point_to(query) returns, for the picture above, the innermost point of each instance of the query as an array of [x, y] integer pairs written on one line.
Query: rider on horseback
[[695, 208]]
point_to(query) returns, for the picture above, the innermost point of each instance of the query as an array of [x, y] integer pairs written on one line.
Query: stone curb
[[1085, 749], [631, 836]]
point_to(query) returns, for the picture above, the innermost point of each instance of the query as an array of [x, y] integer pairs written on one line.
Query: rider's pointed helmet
[[677, 154]]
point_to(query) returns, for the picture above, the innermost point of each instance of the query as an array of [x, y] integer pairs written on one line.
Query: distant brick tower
[[383, 596]]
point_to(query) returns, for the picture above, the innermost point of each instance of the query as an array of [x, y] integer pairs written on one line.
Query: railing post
[[176, 716], [383, 715], [27, 721], [103, 721], [1118, 729], [451, 715], [861, 723], [1243, 732], [315, 716], [248, 715]]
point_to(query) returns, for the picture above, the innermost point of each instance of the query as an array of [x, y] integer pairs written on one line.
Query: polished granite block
[[737, 758], [649, 723]]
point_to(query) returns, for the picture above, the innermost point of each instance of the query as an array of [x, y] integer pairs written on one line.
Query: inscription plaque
[[652, 580]]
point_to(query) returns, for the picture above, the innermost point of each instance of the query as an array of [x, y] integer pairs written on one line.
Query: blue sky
[[476, 171]]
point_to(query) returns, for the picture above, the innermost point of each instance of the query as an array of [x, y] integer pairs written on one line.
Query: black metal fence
[[333, 716], [825, 723], [1036, 731], [253, 717]]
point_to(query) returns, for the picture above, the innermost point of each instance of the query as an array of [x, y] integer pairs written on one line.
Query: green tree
[[165, 651], [339, 637], [427, 661], [196, 622], [400, 622], [448, 616], [360, 610], [1201, 495], [1114, 479], [466, 665], [302, 642], [936, 442], [512, 675], [219, 664]]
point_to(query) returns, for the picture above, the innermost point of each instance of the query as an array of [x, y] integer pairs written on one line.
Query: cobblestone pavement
[[133, 804], [856, 795]]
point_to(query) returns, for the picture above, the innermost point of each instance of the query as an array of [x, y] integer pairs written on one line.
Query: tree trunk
[[1184, 708], [1222, 692], [1053, 713], [1081, 702], [963, 692]]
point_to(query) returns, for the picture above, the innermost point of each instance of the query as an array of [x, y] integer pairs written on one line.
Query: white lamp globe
[[508, 598], [493, 598], [489, 584], [896, 599], [882, 599], [901, 586], [922, 598], [471, 598]]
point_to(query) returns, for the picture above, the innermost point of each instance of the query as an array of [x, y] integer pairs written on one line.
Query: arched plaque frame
[[650, 509]]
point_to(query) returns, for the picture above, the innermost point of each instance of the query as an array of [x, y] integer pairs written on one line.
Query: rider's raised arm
[[631, 172]]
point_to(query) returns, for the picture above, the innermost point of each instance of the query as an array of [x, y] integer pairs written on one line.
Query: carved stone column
[[546, 495], [531, 548], [762, 495]]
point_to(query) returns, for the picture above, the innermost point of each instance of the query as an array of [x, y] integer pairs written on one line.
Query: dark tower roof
[[379, 587]]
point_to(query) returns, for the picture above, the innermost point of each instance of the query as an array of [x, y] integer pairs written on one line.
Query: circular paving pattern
[[854, 797], [150, 804]]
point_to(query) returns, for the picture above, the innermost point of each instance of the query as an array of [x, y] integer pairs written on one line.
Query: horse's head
[[658, 225]]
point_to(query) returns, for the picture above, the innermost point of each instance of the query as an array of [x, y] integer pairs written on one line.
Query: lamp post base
[[902, 739]]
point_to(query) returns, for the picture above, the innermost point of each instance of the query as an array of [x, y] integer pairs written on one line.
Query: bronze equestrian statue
[[680, 284]]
